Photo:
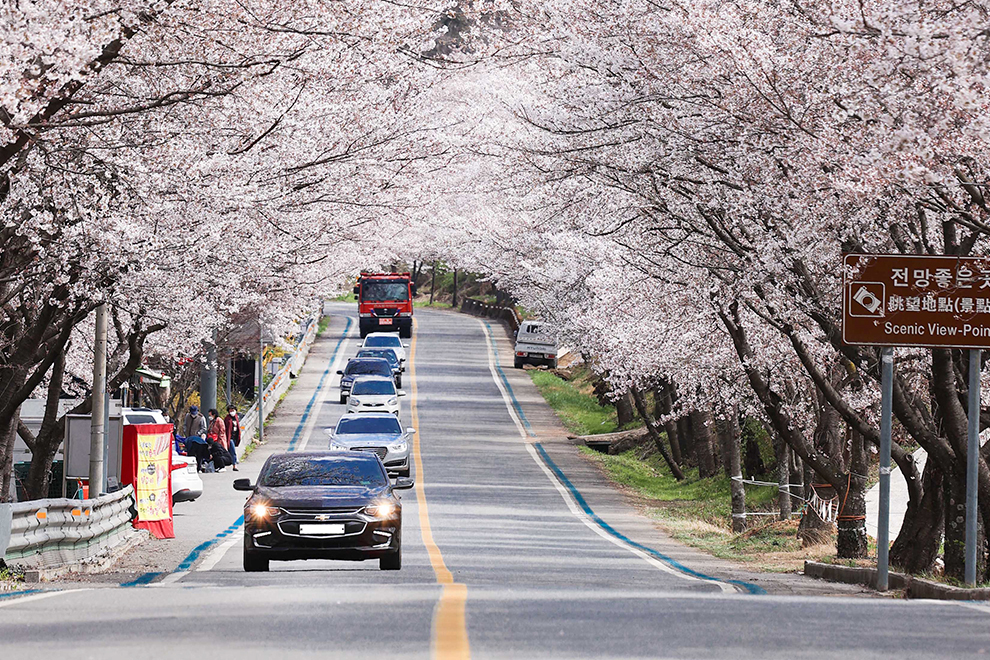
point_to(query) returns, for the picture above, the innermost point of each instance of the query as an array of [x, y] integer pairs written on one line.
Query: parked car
[[388, 354], [374, 394], [380, 433], [186, 482], [323, 505], [535, 344], [361, 367], [386, 340]]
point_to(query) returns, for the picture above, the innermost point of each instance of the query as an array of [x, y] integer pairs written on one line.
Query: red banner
[[146, 463]]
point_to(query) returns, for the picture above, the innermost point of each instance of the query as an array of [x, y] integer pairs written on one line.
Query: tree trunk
[[700, 426], [916, 547], [731, 439], [8, 430], [454, 301], [784, 480], [954, 550], [433, 281], [655, 435], [753, 462], [624, 410], [813, 529], [665, 406], [852, 541], [686, 437]]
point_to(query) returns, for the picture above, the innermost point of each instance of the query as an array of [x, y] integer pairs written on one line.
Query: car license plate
[[321, 530], [384, 321]]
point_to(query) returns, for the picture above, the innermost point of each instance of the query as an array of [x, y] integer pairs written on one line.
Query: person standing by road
[[194, 424], [232, 423], [217, 436]]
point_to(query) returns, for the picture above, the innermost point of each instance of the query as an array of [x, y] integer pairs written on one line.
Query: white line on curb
[[217, 553], [47, 594]]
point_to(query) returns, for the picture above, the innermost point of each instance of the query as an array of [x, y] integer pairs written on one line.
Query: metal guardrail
[[280, 383], [55, 532], [481, 308]]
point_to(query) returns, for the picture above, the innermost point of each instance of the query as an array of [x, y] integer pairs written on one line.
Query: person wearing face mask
[[232, 423]]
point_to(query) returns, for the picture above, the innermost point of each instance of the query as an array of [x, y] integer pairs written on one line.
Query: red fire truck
[[385, 303]]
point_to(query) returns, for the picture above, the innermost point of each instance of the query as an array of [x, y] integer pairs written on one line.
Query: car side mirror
[[405, 346], [403, 483], [401, 393], [243, 484], [410, 430], [357, 290], [340, 371]]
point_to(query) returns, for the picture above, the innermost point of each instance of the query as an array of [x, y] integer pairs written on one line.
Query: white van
[[536, 344]]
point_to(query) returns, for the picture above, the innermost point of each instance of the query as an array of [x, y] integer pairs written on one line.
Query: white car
[[535, 344], [374, 394], [186, 482], [386, 340]]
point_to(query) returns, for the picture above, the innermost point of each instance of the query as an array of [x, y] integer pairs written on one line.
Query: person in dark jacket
[[232, 422]]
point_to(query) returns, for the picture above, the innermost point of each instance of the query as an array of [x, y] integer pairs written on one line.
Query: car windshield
[[384, 290], [350, 425], [321, 471], [373, 387], [385, 354], [383, 340], [375, 366]]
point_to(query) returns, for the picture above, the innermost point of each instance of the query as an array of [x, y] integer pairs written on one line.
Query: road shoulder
[[620, 510]]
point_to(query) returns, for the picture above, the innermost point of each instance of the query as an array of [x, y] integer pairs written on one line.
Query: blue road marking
[[191, 558], [23, 592], [508, 388], [576, 494], [673, 563]]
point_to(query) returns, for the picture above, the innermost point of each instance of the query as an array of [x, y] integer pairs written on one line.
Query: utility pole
[[97, 436], [208, 376], [261, 383], [454, 302], [229, 379]]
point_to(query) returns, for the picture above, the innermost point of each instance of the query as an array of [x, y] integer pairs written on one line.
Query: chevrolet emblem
[[323, 516]]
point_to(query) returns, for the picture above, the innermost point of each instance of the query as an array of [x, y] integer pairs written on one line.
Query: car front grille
[[385, 311], [381, 451]]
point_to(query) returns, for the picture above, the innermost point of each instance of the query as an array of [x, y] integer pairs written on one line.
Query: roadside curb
[[914, 587], [97, 564]]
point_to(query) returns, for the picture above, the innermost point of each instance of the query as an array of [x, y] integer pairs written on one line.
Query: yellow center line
[[450, 638]]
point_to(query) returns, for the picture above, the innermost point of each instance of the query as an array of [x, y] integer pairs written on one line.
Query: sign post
[[883, 524], [925, 301]]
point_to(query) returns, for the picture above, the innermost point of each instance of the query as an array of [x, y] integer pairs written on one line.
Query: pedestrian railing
[[280, 383], [55, 532], [481, 308]]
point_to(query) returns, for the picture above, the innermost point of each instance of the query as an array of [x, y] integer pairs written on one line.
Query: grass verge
[[697, 512], [575, 403], [322, 325]]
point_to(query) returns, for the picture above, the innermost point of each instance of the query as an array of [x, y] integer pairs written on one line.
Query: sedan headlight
[[393, 401], [337, 445], [382, 510], [398, 447], [353, 402], [264, 512]]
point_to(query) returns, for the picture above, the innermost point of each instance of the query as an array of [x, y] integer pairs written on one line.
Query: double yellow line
[[450, 638]]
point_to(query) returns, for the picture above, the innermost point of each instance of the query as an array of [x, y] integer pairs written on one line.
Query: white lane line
[[32, 597], [568, 500], [217, 553], [321, 399]]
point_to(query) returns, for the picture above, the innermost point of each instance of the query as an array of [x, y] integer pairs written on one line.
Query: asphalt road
[[511, 548]]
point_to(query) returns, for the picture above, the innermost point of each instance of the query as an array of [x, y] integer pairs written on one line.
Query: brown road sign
[[911, 300]]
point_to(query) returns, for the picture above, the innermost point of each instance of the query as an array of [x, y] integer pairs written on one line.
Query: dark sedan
[[387, 354], [362, 367], [323, 505]]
